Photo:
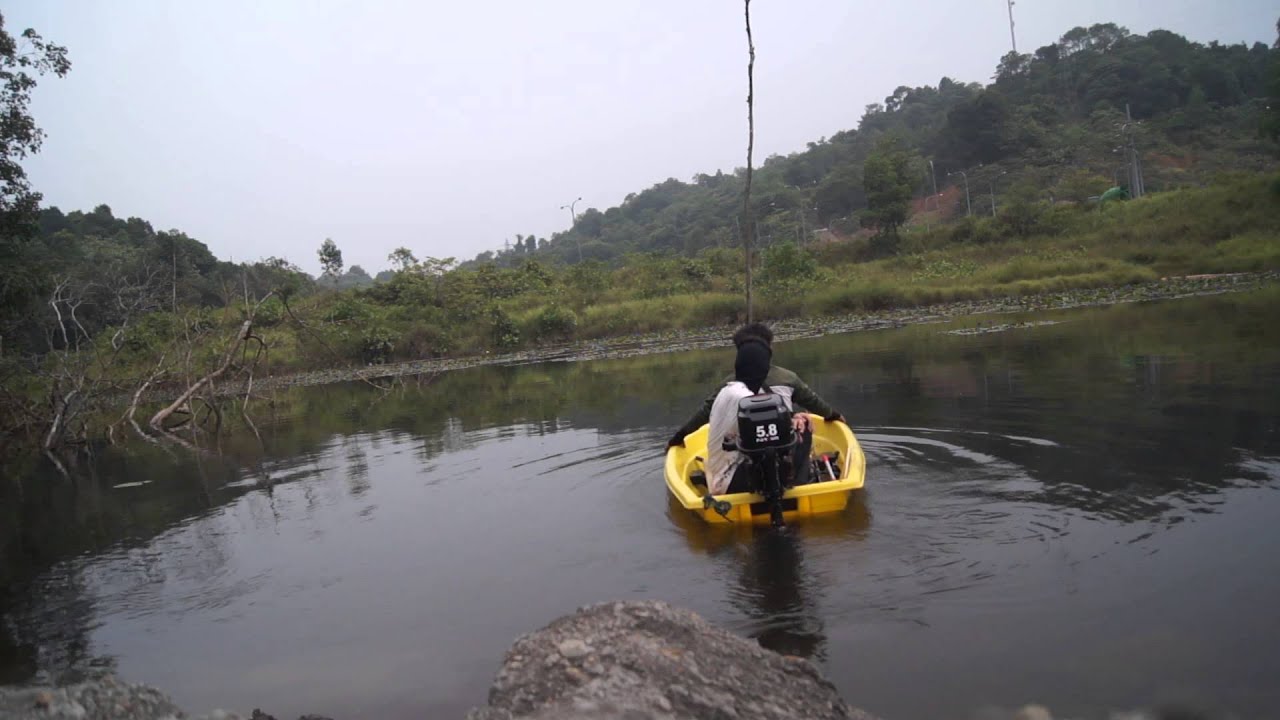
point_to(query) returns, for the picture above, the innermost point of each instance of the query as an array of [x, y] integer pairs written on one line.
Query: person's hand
[[834, 417], [800, 423]]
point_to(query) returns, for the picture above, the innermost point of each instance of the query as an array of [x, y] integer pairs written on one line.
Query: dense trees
[[1271, 120], [22, 60], [99, 255]]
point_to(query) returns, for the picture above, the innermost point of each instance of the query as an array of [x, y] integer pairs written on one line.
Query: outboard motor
[[764, 422], [765, 437]]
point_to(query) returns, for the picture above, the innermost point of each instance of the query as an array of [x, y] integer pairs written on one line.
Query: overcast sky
[[262, 128]]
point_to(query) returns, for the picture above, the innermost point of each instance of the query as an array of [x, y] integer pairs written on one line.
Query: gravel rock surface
[[98, 699], [647, 660], [105, 698]]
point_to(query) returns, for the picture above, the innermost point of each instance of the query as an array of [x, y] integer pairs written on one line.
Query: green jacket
[[778, 376]]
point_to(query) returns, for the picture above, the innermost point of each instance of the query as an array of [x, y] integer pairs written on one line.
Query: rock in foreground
[[649, 660], [103, 698]]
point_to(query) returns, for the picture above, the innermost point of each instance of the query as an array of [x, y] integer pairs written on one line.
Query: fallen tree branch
[[157, 420], [137, 397], [62, 406], [62, 469]]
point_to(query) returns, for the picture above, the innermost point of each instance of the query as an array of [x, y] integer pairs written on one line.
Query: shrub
[[502, 329], [423, 340], [348, 308], [696, 271], [270, 313], [376, 345], [1022, 214], [786, 262], [553, 323], [883, 244], [974, 230], [1080, 184]]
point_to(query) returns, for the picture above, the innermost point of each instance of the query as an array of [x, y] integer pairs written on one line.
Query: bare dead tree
[[747, 223], [65, 300], [133, 297], [251, 368], [68, 368], [79, 371]]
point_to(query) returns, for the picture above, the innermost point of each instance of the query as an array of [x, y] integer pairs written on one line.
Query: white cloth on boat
[[722, 463]]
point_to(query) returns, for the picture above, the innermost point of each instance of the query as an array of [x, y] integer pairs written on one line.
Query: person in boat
[[728, 470], [780, 380]]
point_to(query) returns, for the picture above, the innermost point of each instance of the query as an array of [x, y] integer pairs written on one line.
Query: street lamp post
[[991, 185], [968, 205], [573, 224]]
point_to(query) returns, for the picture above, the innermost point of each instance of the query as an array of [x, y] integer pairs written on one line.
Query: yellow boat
[[798, 501]]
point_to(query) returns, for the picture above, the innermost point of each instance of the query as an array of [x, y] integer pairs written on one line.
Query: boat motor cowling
[[764, 423]]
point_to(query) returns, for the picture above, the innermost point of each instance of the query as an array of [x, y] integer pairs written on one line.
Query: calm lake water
[[1083, 514]]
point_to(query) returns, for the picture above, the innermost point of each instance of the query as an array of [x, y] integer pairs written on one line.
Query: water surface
[[1082, 514]]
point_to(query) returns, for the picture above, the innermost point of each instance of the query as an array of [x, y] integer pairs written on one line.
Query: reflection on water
[[1077, 514], [775, 592]]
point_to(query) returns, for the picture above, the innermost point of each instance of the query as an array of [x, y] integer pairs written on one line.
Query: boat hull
[[800, 501]]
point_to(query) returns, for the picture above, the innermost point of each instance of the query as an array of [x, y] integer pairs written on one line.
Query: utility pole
[[1012, 37], [751, 143], [934, 173], [573, 224], [1136, 187], [968, 205], [173, 247]]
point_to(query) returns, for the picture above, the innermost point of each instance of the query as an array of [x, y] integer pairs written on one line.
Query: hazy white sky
[[262, 128]]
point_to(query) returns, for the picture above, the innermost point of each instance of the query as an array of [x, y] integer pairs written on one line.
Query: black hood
[[752, 364]]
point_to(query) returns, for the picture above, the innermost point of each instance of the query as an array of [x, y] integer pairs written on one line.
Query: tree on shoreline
[[22, 60], [330, 260], [887, 181]]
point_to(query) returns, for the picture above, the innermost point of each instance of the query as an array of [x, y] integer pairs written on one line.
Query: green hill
[[1050, 122]]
